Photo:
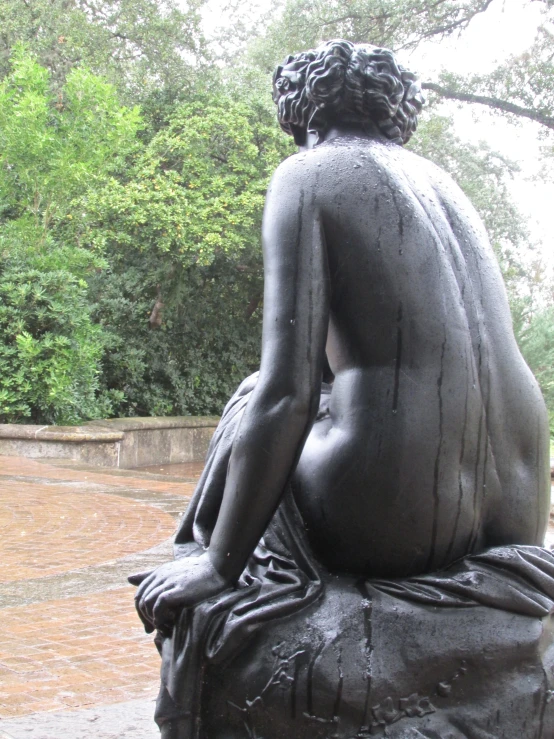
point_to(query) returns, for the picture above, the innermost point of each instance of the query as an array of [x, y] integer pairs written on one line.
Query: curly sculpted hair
[[341, 82]]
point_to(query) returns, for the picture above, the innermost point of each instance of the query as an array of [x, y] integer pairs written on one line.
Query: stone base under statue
[[381, 667]]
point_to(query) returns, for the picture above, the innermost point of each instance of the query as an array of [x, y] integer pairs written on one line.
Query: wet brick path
[[74, 660], [69, 636]]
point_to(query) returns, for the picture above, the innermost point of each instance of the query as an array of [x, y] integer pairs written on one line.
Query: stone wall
[[118, 442]]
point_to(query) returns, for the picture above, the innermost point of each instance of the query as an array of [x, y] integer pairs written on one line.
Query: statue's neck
[[367, 131]]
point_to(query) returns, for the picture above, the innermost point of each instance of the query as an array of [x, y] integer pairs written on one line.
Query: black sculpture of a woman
[[430, 444]]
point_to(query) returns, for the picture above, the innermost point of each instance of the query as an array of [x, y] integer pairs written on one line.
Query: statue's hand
[[163, 592]]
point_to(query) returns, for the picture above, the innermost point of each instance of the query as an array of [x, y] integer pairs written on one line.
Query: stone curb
[[155, 422], [116, 443], [71, 434]]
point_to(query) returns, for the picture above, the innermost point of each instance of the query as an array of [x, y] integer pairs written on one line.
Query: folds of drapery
[[518, 579]]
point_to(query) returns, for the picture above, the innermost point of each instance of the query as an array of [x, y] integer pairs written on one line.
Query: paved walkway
[[71, 644], [74, 659]]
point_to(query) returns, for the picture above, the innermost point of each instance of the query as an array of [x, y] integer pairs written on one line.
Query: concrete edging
[[116, 442]]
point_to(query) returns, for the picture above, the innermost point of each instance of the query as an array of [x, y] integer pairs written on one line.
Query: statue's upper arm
[[296, 293]]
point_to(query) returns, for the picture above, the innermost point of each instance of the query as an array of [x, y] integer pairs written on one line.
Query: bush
[[181, 230], [208, 339], [50, 350]]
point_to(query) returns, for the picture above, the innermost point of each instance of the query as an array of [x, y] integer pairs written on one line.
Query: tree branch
[[449, 27], [491, 102], [439, 30], [252, 305]]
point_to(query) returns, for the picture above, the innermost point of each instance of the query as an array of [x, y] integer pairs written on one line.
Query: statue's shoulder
[[297, 172], [340, 163], [302, 161], [428, 168], [324, 158], [292, 169]]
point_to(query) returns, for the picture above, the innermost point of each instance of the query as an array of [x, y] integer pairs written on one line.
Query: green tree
[[51, 150], [520, 87], [137, 45], [157, 228], [181, 232], [537, 345], [293, 25]]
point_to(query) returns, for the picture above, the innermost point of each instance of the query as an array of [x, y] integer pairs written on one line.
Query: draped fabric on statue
[[518, 579], [280, 579]]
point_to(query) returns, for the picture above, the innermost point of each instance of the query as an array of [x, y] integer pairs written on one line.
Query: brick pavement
[[62, 529], [71, 644], [74, 652], [46, 529]]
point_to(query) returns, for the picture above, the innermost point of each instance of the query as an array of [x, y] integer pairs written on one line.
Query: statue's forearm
[[265, 452]]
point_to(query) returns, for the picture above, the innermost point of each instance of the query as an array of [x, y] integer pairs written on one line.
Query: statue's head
[[341, 82]]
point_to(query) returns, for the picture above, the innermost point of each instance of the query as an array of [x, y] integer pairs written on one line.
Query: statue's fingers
[[145, 586], [148, 601], [165, 605], [138, 577], [146, 622]]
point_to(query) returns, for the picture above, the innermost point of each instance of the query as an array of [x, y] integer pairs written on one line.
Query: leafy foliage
[[52, 148], [181, 231], [131, 278], [137, 45], [521, 87], [537, 345], [192, 362], [294, 25], [197, 189], [50, 350]]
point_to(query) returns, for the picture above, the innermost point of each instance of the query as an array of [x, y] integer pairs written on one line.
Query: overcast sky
[[508, 27]]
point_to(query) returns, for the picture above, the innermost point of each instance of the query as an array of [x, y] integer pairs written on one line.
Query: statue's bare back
[[435, 442]]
